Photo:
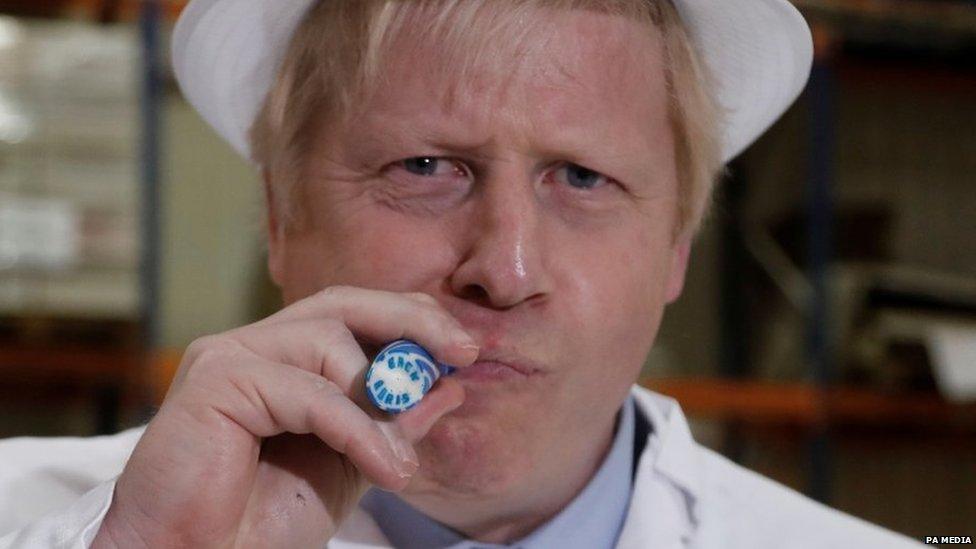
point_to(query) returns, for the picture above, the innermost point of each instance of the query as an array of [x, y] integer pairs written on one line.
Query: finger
[[268, 398], [322, 346], [446, 396], [319, 302], [382, 316]]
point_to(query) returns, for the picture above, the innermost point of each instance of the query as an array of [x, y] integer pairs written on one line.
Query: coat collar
[[677, 455], [665, 505]]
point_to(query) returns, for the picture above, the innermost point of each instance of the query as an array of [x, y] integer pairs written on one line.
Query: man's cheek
[[385, 256]]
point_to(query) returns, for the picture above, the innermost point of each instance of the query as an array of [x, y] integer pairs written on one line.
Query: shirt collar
[[592, 519]]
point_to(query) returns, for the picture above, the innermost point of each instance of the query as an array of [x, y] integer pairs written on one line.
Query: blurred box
[[37, 233], [69, 193]]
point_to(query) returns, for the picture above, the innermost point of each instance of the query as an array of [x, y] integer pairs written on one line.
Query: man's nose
[[502, 264]]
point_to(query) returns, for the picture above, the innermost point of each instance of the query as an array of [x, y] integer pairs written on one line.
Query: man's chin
[[469, 452], [496, 400]]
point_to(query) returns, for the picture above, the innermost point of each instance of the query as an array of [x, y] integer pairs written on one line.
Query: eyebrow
[[569, 145]]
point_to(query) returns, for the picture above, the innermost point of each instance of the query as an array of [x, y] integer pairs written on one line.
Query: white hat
[[226, 54]]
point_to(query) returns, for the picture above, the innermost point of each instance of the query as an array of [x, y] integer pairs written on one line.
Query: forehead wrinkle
[[496, 45], [464, 103], [487, 93], [485, 48], [575, 86]]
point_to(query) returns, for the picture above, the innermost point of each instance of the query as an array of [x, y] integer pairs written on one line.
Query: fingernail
[[408, 463], [470, 347]]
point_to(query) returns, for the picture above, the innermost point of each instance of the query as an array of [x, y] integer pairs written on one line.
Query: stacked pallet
[[69, 204]]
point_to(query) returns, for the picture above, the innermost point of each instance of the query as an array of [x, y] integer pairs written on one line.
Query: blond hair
[[334, 61]]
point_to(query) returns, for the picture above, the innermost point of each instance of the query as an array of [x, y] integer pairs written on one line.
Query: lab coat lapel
[[666, 505]]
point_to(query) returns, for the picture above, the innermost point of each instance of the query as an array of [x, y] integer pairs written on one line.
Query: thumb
[[445, 397]]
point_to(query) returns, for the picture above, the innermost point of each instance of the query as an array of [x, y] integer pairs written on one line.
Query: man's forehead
[[543, 49], [591, 78]]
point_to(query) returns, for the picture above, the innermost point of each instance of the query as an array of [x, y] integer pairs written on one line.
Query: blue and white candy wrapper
[[401, 374]]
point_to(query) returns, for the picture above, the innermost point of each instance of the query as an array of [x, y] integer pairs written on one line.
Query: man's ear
[[680, 252], [276, 239]]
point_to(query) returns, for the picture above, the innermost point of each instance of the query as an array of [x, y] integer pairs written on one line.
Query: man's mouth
[[492, 366]]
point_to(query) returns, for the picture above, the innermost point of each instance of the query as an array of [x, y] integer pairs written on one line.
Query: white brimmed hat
[[226, 54]]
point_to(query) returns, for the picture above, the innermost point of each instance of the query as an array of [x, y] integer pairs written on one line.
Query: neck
[[539, 498]]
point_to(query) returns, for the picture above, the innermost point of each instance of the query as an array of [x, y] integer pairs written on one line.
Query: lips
[[488, 371], [499, 366]]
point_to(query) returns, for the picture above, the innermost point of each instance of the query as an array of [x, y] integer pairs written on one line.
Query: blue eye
[[426, 165], [580, 177]]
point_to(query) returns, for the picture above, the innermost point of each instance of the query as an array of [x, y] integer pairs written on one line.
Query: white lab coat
[[55, 492]]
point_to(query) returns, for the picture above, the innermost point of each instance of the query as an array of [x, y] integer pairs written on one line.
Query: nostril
[[476, 293]]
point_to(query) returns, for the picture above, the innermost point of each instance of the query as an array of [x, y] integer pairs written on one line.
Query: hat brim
[[226, 54]]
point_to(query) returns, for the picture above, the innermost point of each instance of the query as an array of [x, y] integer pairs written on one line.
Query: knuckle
[[202, 350], [361, 441], [333, 335], [323, 388], [434, 307], [444, 322], [197, 346], [323, 397], [333, 328], [334, 292], [320, 350], [435, 325], [424, 298], [447, 326], [210, 353]]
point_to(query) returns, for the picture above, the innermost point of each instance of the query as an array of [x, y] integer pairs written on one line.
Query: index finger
[[380, 316]]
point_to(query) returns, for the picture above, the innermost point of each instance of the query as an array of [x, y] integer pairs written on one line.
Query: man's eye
[[427, 166], [579, 177]]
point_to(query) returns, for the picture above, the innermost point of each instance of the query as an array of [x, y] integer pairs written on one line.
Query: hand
[[266, 437]]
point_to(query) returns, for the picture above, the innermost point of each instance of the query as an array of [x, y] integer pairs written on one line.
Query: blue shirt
[[593, 519]]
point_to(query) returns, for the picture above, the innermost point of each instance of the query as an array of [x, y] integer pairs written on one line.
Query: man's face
[[535, 255]]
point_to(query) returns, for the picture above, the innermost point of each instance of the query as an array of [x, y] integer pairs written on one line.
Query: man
[[513, 185]]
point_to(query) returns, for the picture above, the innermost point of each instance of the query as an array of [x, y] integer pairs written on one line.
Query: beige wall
[[211, 232]]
